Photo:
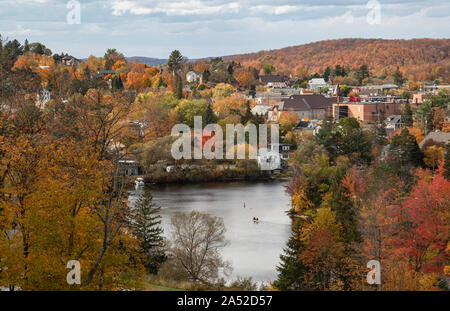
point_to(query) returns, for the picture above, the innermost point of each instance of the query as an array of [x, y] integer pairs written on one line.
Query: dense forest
[[418, 59]]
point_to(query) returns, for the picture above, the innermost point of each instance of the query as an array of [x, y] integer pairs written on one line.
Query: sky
[[204, 28]]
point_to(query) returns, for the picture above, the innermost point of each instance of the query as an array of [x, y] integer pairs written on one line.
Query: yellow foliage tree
[[433, 155]]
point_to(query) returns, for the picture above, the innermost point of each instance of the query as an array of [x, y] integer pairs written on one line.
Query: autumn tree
[[223, 90], [433, 155], [246, 77], [430, 114], [188, 109], [231, 105], [155, 115], [111, 57], [268, 69], [288, 120], [424, 215]]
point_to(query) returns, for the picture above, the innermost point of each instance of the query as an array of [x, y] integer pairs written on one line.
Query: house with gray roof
[[307, 107], [275, 81], [438, 137], [394, 122]]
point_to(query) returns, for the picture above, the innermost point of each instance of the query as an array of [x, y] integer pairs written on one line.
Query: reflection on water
[[253, 249]]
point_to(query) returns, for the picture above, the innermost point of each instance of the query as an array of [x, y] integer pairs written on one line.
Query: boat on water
[[139, 182]]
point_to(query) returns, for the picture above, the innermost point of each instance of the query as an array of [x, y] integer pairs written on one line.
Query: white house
[[317, 84], [261, 110], [194, 77]]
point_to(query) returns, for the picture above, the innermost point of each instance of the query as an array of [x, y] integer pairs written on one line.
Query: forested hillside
[[418, 59]]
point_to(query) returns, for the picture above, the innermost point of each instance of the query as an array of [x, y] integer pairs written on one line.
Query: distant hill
[[154, 62], [418, 59]]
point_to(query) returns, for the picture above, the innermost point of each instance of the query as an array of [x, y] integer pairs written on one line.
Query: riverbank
[[213, 175]]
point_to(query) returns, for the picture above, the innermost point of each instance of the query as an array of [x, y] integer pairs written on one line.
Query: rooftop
[[307, 102], [439, 137]]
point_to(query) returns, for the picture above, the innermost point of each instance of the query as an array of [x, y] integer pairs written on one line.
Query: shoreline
[[149, 183]]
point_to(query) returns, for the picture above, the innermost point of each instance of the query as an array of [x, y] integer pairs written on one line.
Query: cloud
[[20, 31], [191, 7], [202, 28]]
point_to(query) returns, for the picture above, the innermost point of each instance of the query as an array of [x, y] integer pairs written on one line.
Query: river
[[253, 249]]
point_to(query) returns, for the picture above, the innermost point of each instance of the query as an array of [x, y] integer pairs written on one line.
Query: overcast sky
[[202, 28]]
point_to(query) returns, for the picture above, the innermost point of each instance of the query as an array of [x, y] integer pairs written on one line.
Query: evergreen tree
[[209, 117], [248, 116], [230, 69], [206, 75], [381, 134], [447, 162], [10, 52], [339, 71], [26, 46], [408, 114], [345, 138], [362, 73], [398, 77], [327, 73], [178, 87], [405, 150], [346, 213], [145, 224], [252, 91], [116, 83], [175, 60], [291, 268]]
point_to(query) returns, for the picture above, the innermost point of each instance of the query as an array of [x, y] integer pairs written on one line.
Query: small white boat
[[139, 182]]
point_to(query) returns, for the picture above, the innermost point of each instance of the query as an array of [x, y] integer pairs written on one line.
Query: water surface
[[253, 249]]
